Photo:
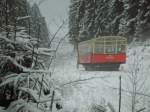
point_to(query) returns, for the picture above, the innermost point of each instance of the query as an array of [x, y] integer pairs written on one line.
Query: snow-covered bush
[[22, 69]]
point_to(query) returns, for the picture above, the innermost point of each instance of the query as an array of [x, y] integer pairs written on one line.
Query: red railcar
[[102, 53]]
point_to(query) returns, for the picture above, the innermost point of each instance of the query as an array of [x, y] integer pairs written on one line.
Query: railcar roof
[[105, 38]]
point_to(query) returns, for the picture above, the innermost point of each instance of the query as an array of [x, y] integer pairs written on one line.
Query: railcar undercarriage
[[101, 67]]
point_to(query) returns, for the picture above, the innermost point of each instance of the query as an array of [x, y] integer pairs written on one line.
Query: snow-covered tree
[[23, 71], [73, 20], [88, 19], [129, 18]]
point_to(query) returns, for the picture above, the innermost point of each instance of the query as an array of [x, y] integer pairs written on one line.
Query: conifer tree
[[73, 20]]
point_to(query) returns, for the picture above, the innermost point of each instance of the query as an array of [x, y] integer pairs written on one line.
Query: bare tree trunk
[[77, 49], [39, 29], [6, 18]]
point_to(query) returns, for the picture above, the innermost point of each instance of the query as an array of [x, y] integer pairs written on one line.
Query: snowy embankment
[[100, 87]]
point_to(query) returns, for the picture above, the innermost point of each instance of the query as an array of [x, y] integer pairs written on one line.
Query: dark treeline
[[91, 18], [15, 13]]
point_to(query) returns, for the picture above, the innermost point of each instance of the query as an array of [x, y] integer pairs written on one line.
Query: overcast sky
[[55, 9]]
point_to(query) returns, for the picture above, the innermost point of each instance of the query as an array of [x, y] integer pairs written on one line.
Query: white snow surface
[[102, 88]]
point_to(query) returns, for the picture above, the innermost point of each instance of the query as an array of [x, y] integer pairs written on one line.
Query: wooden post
[[52, 101], [41, 89], [77, 54], [120, 94]]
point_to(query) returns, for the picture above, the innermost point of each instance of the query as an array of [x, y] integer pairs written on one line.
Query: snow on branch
[[35, 95], [24, 69], [45, 51], [82, 80], [22, 18], [6, 39]]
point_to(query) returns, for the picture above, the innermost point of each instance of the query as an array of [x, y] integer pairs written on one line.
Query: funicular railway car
[[102, 53]]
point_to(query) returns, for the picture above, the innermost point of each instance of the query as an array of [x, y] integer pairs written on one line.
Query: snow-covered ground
[[100, 87]]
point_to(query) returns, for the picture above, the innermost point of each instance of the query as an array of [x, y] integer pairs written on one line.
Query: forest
[[92, 18]]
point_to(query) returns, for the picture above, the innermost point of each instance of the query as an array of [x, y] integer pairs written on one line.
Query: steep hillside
[[81, 89]]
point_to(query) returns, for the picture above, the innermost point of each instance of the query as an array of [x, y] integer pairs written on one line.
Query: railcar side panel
[[85, 59], [105, 58]]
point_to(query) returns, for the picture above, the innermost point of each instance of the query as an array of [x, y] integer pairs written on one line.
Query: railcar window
[[122, 48], [110, 49], [99, 47], [110, 46]]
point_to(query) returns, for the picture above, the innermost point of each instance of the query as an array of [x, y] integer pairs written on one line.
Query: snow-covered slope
[[100, 87]]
